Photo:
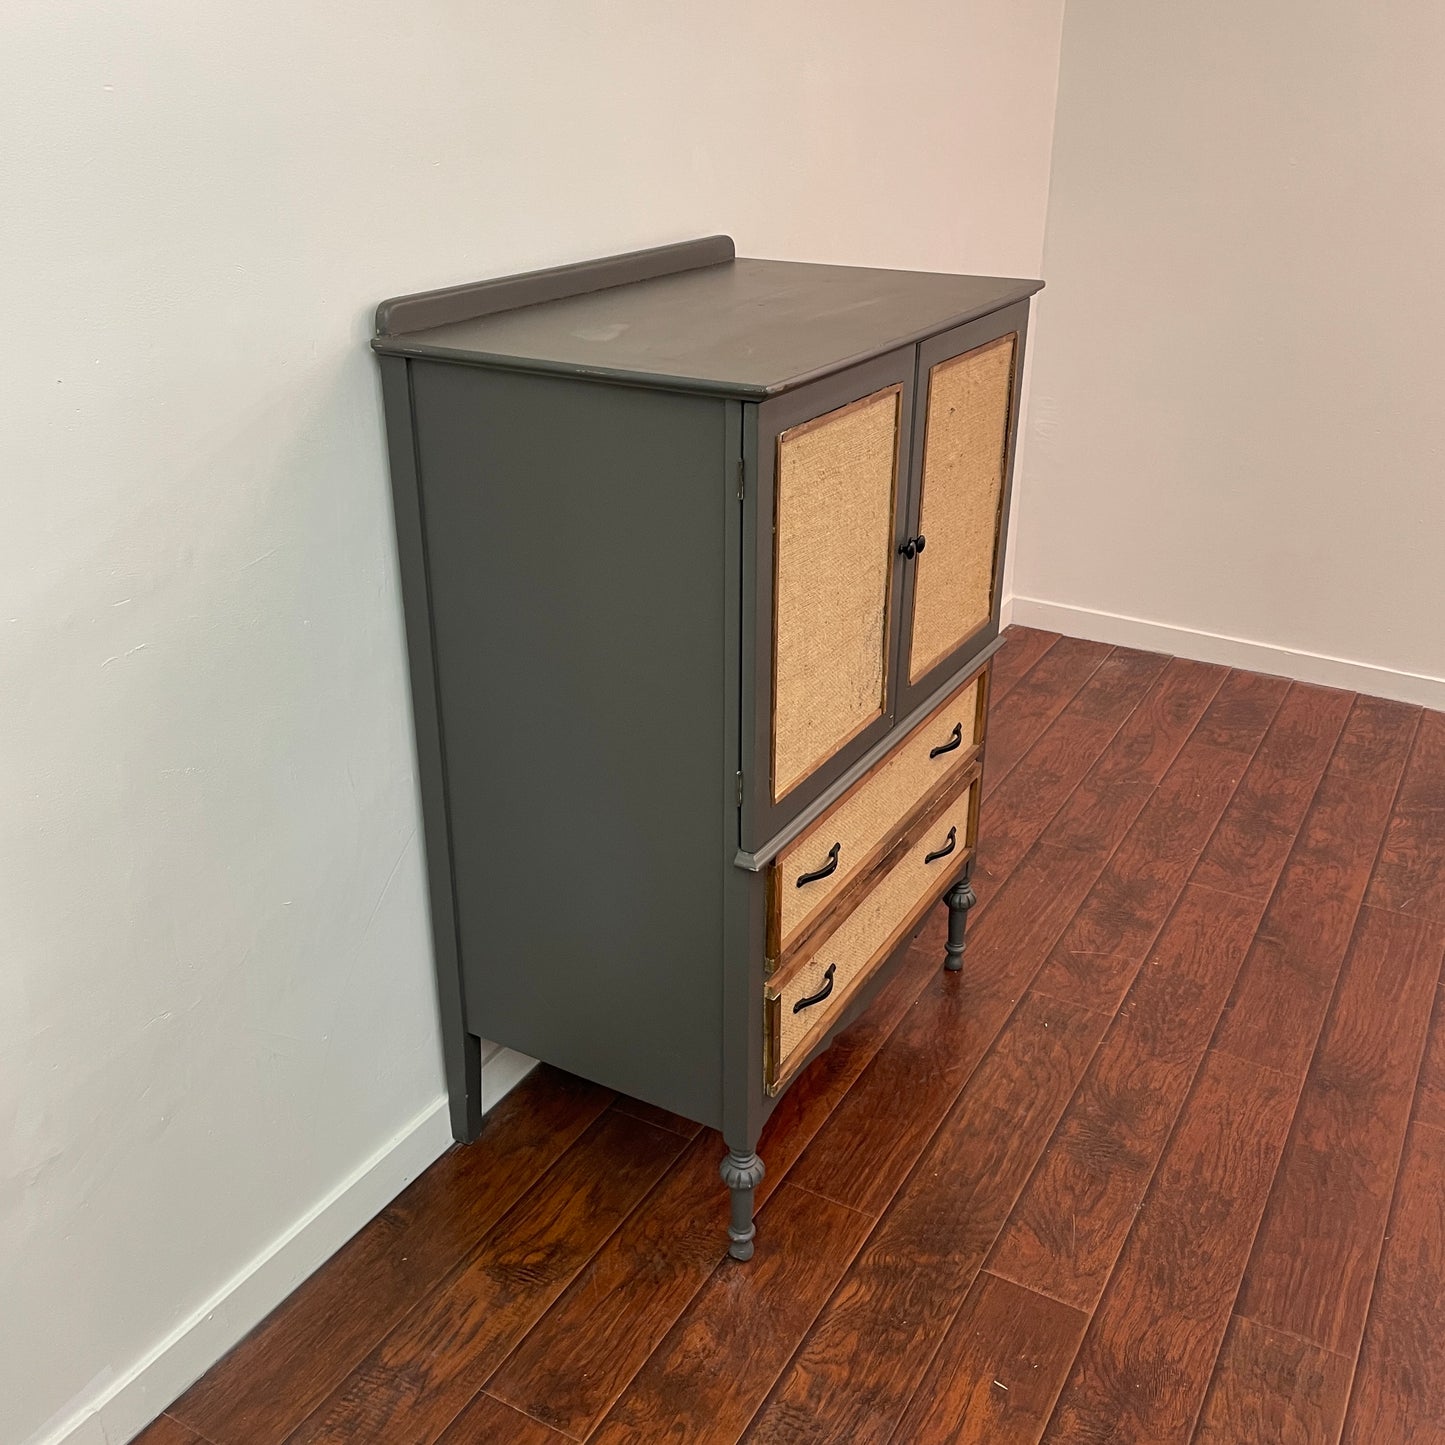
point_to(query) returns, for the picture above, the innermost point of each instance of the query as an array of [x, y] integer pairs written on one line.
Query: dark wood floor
[[1165, 1163]]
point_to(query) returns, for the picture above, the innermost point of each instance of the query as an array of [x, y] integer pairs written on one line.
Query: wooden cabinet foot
[[742, 1173], [960, 898]]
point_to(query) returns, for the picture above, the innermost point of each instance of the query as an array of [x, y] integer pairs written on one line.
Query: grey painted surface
[[461, 1050], [742, 1171], [960, 898], [745, 1106], [747, 328], [449, 304], [576, 541]]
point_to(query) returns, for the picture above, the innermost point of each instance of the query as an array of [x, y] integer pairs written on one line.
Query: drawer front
[[835, 494], [801, 1003], [811, 872], [965, 462]]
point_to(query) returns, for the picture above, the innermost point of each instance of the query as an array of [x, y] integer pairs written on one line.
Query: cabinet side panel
[[576, 542]]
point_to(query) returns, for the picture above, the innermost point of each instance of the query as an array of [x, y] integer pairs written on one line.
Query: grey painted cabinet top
[[691, 317]]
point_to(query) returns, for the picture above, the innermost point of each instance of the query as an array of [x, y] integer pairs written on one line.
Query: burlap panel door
[[965, 459], [833, 538]]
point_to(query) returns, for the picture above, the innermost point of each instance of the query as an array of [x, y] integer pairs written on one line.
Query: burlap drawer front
[[866, 817], [833, 558], [965, 449], [865, 938]]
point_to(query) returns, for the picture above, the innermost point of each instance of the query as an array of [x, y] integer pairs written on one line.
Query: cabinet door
[[832, 463], [963, 454]]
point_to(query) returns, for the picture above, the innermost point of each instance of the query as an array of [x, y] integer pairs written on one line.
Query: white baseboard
[[115, 1407], [1270, 657]]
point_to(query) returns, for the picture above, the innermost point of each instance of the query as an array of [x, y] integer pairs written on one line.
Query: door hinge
[[742, 478], [740, 790]]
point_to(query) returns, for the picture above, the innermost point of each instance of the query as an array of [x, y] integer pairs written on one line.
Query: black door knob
[[912, 547]]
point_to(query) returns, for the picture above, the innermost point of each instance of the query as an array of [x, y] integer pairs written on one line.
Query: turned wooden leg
[[960, 899], [742, 1173]]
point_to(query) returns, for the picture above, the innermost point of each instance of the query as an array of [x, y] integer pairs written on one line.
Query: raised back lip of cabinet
[[796, 321]]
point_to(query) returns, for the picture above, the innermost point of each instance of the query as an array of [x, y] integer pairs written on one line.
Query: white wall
[[217, 1044], [1236, 420]]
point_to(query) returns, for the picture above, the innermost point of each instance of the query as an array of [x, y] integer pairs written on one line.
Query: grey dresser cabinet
[[700, 562]]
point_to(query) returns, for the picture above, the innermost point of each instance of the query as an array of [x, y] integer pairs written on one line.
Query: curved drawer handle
[[947, 848], [955, 740], [831, 866], [822, 993]]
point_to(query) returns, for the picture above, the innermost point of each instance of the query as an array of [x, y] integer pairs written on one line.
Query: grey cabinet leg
[[960, 899], [462, 1058], [742, 1173]]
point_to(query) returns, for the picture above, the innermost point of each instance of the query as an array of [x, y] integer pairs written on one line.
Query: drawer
[[805, 998], [814, 869]]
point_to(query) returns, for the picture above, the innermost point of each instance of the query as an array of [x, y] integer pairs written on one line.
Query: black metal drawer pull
[[947, 848], [829, 867], [822, 993], [912, 547], [955, 740]]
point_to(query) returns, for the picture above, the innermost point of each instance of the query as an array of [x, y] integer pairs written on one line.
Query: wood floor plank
[[997, 1374], [486, 1421], [419, 1378], [855, 1372], [1399, 1393], [1313, 1264], [1250, 845], [1105, 945], [1409, 877], [570, 1367], [1107, 941], [1035, 701], [1071, 1223], [260, 1391], [1022, 649], [1279, 1002], [1241, 712], [1067, 1230], [582, 1353], [166, 1430], [1273, 1387], [1142, 1371], [1430, 1092], [1122, 687], [708, 1377], [1150, 740], [1378, 739]]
